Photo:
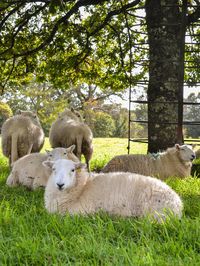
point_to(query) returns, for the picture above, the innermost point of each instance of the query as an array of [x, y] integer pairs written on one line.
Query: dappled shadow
[[195, 170], [192, 205]]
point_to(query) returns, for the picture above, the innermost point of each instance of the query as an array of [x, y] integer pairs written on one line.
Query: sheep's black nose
[[193, 156], [60, 186]]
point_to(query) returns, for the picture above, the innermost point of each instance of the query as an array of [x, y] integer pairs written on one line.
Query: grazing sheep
[[68, 130], [72, 189], [21, 134], [29, 170], [176, 161]]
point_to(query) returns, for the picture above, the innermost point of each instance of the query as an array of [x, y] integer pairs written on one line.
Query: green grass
[[31, 236]]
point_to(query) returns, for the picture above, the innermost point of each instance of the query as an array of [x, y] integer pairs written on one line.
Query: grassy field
[[31, 236]]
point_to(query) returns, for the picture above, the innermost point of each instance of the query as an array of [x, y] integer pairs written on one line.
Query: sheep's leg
[[87, 163], [88, 166], [13, 179], [30, 148], [14, 152], [79, 146], [10, 161]]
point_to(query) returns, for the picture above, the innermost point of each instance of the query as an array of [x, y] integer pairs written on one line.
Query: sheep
[[72, 189], [68, 129], [29, 170], [21, 134], [175, 161]]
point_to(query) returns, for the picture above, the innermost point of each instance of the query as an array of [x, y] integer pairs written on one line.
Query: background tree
[[41, 98], [110, 120], [120, 118], [84, 96], [140, 113], [101, 124], [5, 112], [192, 113]]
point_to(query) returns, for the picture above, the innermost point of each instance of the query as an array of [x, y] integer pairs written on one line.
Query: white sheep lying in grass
[[29, 170], [175, 161], [72, 189]]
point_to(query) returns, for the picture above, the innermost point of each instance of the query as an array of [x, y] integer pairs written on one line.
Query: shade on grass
[[31, 236]]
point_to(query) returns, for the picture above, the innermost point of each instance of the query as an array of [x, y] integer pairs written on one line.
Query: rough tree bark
[[166, 33]]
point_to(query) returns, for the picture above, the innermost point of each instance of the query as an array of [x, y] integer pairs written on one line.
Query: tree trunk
[[166, 34]]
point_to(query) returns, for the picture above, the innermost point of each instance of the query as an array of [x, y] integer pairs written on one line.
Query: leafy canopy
[[67, 42]]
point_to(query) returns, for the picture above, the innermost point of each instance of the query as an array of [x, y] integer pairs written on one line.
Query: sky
[[125, 102]]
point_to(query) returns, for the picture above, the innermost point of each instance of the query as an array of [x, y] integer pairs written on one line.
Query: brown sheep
[[21, 134], [67, 130]]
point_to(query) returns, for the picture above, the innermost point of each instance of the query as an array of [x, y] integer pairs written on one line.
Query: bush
[[5, 112], [101, 124]]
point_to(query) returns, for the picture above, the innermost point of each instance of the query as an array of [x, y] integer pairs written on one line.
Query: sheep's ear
[[48, 164], [71, 148], [177, 146], [194, 146], [18, 112], [22, 112], [80, 165]]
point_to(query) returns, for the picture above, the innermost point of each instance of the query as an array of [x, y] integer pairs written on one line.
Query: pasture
[[31, 236]]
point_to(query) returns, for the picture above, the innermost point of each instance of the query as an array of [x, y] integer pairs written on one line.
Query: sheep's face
[[186, 152], [62, 153], [63, 173]]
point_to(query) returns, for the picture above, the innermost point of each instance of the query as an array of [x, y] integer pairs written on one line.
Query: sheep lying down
[[29, 170], [175, 161], [72, 189]]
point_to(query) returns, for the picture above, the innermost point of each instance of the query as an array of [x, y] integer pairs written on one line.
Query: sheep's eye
[[50, 155], [73, 170], [53, 169], [65, 153]]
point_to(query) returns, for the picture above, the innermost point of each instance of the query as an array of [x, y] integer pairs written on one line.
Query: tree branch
[[87, 50], [9, 14], [72, 11], [117, 32], [21, 25], [8, 77], [194, 17], [114, 13], [63, 19]]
